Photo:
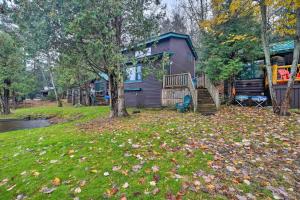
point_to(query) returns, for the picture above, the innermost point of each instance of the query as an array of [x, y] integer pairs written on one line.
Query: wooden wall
[[250, 87], [172, 96], [295, 97]]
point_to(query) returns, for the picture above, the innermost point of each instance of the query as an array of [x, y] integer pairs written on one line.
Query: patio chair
[[284, 74], [240, 99], [185, 105], [259, 100]]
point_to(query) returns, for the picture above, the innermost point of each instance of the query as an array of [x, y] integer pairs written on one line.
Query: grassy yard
[[240, 153]]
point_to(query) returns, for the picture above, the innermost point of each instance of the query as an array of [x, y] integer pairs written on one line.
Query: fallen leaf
[[126, 185], [116, 168], [82, 183], [35, 173], [4, 181], [21, 197], [106, 174], [56, 181], [111, 192], [94, 171], [11, 187], [47, 190], [155, 168], [77, 190], [155, 191], [152, 183], [71, 151]]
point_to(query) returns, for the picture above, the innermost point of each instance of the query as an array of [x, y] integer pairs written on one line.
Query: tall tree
[[41, 25], [11, 68], [295, 7], [174, 23], [263, 4], [102, 30], [230, 39]]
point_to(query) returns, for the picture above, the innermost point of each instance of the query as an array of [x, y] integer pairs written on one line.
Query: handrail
[[204, 81], [193, 91], [275, 79]]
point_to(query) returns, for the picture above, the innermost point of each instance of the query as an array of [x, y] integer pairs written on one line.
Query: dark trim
[[165, 36], [137, 81], [133, 89], [174, 35]]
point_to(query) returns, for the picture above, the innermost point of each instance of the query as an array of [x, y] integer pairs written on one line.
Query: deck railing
[[181, 81], [176, 80], [277, 78], [204, 82]]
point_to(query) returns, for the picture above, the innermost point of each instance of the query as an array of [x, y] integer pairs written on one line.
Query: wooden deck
[[204, 94]]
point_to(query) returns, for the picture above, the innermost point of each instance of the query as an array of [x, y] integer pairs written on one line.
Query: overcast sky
[[170, 3]]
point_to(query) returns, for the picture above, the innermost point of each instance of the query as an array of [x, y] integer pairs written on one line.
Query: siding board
[[295, 96]]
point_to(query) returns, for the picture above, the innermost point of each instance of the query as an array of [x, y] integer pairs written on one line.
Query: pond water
[[10, 125]]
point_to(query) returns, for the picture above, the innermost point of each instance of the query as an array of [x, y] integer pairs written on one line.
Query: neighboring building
[[93, 92], [252, 80], [141, 91]]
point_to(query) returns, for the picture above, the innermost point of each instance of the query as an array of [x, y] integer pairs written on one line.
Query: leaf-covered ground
[[240, 153]]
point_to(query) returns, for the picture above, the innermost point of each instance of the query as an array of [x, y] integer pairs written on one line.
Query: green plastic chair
[[185, 106]]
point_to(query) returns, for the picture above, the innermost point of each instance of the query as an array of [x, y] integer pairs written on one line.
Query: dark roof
[[169, 35], [282, 47]]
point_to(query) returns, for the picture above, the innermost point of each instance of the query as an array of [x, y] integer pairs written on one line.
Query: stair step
[[207, 113], [206, 101]]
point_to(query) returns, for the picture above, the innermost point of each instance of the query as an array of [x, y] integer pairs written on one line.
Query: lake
[[12, 124]]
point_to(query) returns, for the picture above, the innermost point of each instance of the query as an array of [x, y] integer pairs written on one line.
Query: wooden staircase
[[206, 104], [204, 94]]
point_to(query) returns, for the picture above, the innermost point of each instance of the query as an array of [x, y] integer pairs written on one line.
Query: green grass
[[32, 151], [164, 139]]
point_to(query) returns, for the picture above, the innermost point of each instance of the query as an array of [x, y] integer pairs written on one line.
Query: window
[[134, 73], [145, 52]]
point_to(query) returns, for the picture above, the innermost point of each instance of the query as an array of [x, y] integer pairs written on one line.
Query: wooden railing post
[[274, 74]]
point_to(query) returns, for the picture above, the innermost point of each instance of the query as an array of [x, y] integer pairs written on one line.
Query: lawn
[[240, 153]]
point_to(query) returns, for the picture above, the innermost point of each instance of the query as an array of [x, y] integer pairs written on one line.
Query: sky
[[170, 3]]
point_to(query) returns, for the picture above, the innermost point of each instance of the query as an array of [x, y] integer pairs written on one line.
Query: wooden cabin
[[82, 94], [179, 77], [282, 59], [252, 79], [146, 91]]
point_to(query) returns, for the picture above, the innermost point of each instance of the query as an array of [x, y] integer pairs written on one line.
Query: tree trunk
[[73, 97], [286, 101], [58, 100], [122, 112], [113, 93], [265, 43], [80, 96], [14, 100], [5, 103], [87, 96]]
